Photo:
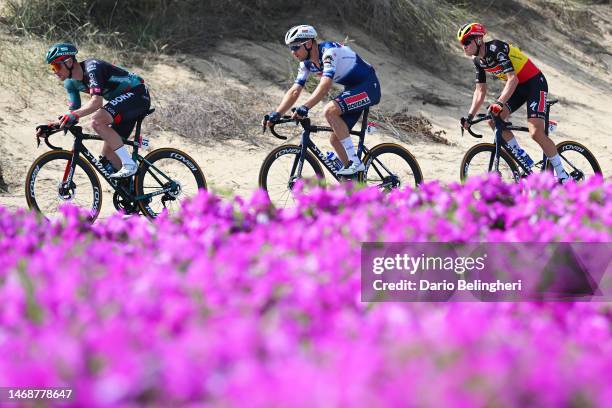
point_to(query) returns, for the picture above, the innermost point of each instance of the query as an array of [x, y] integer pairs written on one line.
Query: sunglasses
[[467, 41], [295, 47], [56, 67]]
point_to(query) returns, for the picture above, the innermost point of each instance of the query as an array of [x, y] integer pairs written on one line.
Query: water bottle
[[524, 156], [333, 158]]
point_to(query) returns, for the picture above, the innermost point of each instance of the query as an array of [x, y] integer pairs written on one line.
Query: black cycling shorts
[[533, 92], [127, 108]]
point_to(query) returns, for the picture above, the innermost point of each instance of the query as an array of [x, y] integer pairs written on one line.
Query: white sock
[[350, 149], [513, 143], [124, 156], [556, 162]]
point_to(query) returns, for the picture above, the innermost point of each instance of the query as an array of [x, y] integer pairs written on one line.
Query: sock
[[350, 149], [556, 162], [124, 156], [513, 144]]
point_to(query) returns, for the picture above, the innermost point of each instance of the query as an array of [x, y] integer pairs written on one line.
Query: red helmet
[[471, 30]]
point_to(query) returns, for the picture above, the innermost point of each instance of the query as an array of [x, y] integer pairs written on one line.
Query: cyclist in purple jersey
[[332, 62]]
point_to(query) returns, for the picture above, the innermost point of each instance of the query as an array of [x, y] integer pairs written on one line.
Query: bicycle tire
[[564, 148], [64, 195], [382, 177], [487, 149], [275, 155], [176, 157]]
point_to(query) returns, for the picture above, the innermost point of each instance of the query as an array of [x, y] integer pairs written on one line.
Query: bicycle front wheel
[[389, 166], [480, 160], [577, 160], [47, 188], [165, 178], [279, 173]]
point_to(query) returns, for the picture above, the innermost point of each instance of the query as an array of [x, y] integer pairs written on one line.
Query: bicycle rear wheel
[[278, 173], [46, 189], [479, 160], [389, 166], [577, 160], [171, 176]]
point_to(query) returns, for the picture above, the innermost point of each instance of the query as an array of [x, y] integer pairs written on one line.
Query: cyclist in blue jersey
[[332, 62], [126, 95]]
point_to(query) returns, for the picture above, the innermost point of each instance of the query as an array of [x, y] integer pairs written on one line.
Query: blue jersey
[[338, 62]]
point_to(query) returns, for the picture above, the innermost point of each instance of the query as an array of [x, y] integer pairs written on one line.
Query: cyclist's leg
[[333, 114], [344, 111], [536, 122], [536, 114], [124, 111]]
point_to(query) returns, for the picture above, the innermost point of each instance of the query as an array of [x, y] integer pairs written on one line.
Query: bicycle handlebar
[[482, 117], [50, 129], [284, 119]]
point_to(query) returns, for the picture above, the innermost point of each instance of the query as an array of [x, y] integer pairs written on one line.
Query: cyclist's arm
[[289, 99], [509, 88], [74, 98], [479, 96], [322, 89], [90, 107]]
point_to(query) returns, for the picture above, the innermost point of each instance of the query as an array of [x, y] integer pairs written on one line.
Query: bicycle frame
[[125, 191], [306, 143], [500, 143]]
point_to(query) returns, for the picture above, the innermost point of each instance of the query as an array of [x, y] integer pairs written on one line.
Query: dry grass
[[3, 186], [409, 128], [212, 112]]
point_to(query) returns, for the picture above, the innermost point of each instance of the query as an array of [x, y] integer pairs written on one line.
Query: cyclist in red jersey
[[525, 84]]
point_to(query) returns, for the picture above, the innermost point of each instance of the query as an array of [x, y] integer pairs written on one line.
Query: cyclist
[[525, 84], [332, 62], [126, 95]]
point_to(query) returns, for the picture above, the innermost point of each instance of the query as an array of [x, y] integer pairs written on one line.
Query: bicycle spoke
[[281, 179], [167, 170]]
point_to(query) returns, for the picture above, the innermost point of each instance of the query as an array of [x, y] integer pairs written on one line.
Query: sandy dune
[[232, 167]]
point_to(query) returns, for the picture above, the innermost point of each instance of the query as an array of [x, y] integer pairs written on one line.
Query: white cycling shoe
[[351, 169], [127, 170]]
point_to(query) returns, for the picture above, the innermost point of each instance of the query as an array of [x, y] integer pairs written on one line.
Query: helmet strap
[[308, 50], [479, 42]]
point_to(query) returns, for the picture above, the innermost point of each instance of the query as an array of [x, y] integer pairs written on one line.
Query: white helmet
[[301, 32]]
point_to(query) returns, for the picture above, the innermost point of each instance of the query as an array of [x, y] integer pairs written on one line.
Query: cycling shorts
[[356, 98], [533, 92], [127, 108]]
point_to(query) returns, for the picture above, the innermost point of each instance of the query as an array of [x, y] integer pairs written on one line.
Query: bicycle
[[487, 157], [387, 175], [60, 176]]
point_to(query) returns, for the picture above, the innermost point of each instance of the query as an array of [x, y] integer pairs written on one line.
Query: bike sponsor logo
[[573, 147], [519, 159], [289, 150], [121, 98], [184, 160], [150, 211], [328, 163], [357, 101], [33, 181], [96, 202]]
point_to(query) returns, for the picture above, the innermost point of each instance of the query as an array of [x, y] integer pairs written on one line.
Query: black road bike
[[164, 177], [498, 157], [387, 165]]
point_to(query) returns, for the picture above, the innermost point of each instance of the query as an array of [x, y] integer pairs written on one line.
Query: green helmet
[[59, 50]]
